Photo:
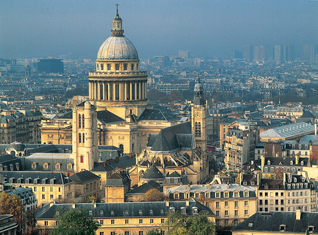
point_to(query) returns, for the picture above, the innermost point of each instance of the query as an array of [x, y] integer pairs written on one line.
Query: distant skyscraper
[[278, 53], [288, 53], [236, 54], [309, 52], [248, 53], [259, 54], [184, 54]]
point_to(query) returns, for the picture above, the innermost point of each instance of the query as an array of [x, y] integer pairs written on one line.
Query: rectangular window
[[125, 66], [101, 233], [46, 223], [51, 189], [217, 204], [151, 221], [236, 212], [226, 213], [34, 189], [132, 67], [162, 221], [126, 232], [236, 203], [51, 196], [245, 203], [140, 221], [217, 213], [108, 67], [226, 203], [117, 66], [117, 92], [101, 222], [43, 189], [245, 212], [126, 221], [43, 196], [112, 221], [141, 233], [112, 233]]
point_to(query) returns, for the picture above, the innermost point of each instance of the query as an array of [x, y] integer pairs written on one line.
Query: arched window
[[198, 129], [57, 166], [102, 67], [83, 120], [33, 165], [83, 137], [69, 166], [45, 166], [79, 137], [82, 159]]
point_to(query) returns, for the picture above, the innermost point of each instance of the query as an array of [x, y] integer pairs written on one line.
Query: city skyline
[[208, 29]]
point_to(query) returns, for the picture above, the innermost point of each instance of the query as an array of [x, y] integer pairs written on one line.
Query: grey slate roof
[[157, 113], [83, 177], [60, 178], [108, 117], [153, 174], [124, 162], [167, 139], [142, 189], [118, 179], [125, 209], [267, 222]]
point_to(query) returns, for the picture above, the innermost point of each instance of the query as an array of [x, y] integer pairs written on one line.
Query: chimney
[[167, 203], [73, 205], [315, 128], [94, 204], [298, 214], [187, 203], [262, 162], [297, 159]]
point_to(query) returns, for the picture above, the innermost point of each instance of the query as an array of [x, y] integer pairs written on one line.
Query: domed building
[[118, 84], [118, 90]]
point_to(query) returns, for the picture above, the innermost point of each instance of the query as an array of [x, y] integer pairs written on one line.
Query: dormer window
[[140, 212], [101, 212], [195, 210], [90, 213], [311, 228], [282, 227], [291, 162], [295, 179], [252, 183], [172, 209], [302, 163], [33, 166], [45, 166], [217, 195], [226, 194], [112, 213], [268, 162], [151, 212], [244, 183], [183, 211]]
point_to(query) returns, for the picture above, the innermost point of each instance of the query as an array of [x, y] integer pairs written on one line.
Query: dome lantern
[[117, 30]]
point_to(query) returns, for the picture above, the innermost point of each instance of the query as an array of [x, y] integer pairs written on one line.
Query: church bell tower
[[198, 119]]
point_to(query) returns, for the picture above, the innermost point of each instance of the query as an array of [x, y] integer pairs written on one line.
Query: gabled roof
[[167, 139], [118, 179], [153, 174], [142, 189]]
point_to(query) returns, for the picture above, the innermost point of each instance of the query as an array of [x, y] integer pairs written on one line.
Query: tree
[[193, 225], [153, 195], [75, 222], [11, 204], [154, 232]]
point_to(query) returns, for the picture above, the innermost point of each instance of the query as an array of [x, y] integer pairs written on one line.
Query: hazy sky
[[208, 28]]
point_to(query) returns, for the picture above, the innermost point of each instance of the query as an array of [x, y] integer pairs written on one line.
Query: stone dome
[[16, 146], [117, 48], [198, 87]]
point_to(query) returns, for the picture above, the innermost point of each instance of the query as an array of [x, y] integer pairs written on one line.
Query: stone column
[[108, 93], [140, 90], [136, 84], [125, 91], [98, 91], [89, 90], [130, 91], [114, 90], [105, 92], [145, 89]]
